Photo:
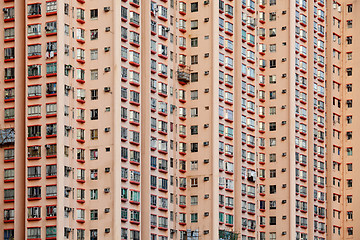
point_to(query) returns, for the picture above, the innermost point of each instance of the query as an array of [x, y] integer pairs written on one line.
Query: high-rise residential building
[[178, 119]]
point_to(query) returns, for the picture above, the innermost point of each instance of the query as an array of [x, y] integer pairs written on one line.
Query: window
[[194, 112], [349, 71], [272, 94], [272, 16], [272, 32], [349, 40], [194, 7], [194, 24], [194, 147], [349, 8], [273, 63], [349, 182], [93, 54], [194, 182], [51, 7], [272, 220], [94, 14], [194, 59], [194, 42], [272, 189]]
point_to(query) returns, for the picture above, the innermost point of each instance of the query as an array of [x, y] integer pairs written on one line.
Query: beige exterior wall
[[218, 127]]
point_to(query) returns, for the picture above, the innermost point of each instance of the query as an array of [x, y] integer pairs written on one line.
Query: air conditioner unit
[[283, 75], [206, 90], [106, 89], [283, 28], [206, 2], [206, 125], [107, 230], [284, 12], [283, 233], [283, 91], [206, 179], [107, 210], [206, 72], [284, 217], [283, 170], [206, 214], [206, 19], [284, 154], [107, 29], [206, 232], [283, 106], [206, 55], [107, 49], [283, 138], [106, 9], [283, 122], [206, 196], [284, 186], [106, 190], [107, 129], [206, 143], [283, 201], [107, 69], [206, 160]]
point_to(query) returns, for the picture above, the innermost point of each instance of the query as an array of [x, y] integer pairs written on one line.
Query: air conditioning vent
[[283, 122], [283, 91], [206, 2], [106, 89], [283, 106], [283, 28], [206, 72], [206, 55], [283, 75], [283, 170], [107, 129], [106, 190], [206, 125], [206, 214], [283, 233], [206, 232], [283, 201], [106, 9], [206, 90], [107, 230], [107, 49], [284, 186], [283, 154], [283, 217], [107, 210], [284, 12], [206, 160], [283, 138], [206, 196], [206, 179], [206, 143], [206, 20], [107, 29], [107, 69]]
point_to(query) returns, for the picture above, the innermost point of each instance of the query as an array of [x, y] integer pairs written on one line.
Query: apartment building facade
[[169, 119]]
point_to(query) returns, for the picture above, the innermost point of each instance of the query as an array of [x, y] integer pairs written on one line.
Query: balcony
[[183, 77]]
